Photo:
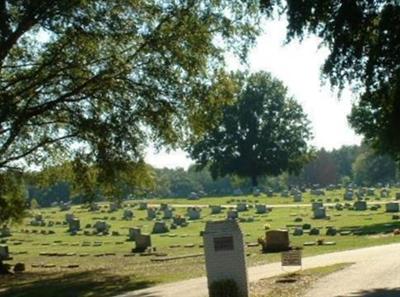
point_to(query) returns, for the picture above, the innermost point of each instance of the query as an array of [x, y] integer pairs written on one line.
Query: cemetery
[[86, 240]]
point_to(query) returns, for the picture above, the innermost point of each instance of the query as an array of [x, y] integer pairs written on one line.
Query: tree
[[363, 37], [370, 169], [98, 79], [322, 170], [264, 132], [12, 198], [344, 157]]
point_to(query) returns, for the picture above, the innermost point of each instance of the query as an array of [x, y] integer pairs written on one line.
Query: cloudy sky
[[298, 66]]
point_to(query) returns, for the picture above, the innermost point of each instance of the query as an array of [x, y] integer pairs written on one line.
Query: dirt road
[[376, 268]]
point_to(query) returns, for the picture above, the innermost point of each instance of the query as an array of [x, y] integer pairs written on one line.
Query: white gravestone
[[225, 254]]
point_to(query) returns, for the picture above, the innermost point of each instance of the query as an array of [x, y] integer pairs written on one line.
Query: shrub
[[224, 288]]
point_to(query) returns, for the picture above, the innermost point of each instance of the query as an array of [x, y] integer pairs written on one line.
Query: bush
[[224, 288]]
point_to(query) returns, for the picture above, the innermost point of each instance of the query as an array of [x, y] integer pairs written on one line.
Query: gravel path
[[376, 270]]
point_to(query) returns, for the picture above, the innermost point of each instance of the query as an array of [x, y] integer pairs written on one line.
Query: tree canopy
[[265, 132], [96, 80], [102, 77], [363, 37], [370, 168]]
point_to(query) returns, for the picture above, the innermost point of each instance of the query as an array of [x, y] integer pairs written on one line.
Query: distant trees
[[370, 169], [344, 158], [265, 132], [321, 170], [344, 165]]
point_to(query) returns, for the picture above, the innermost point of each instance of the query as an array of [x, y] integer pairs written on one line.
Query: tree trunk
[[254, 181]]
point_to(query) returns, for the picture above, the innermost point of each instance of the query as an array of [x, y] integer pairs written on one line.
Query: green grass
[[136, 272]]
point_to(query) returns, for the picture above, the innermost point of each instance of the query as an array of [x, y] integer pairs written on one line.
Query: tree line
[[348, 164]]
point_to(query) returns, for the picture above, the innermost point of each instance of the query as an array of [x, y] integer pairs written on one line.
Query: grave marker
[[225, 254]]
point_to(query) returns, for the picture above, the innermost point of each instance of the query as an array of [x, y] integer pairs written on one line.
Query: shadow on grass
[[375, 293], [382, 228], [81, 284]]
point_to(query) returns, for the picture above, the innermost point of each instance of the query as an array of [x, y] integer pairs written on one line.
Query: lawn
[[107, 265]]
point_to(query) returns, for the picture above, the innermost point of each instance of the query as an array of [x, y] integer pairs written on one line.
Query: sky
[[298, 65]]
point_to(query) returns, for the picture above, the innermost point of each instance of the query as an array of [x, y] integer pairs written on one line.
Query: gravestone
[[370, 192], [285, 194], [398, 196], [113, 207], [232, 215], [297, 197], [298, 231], [4, 253], [127, 215], [360, 205], [193, 196], [216, 209], [163, 206], [291, 258], [151, 213], [142, 205], [194, 213], [331, 231], [256, 192], [160, 227], [269, 193], [225, 255], [64, 206], [348, 196], [276, 241], [39, 217], [133, 233], [316, 205], [74, 225], [261, 208], [392, 207], [143, 242], [94, 207], [317, 192], [179, 221], [101, 227], [69, 217], [384, 193], [339, 206], [38, 220], [168, 214], [319, 213], [241, 207]]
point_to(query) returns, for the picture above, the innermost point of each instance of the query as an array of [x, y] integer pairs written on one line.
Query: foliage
[[224, 288], [347, 164], [100, 78], [264, 132], [370, 168], [322, 170], [344, 157], [363, 38], [94, 81], [12, 197]]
